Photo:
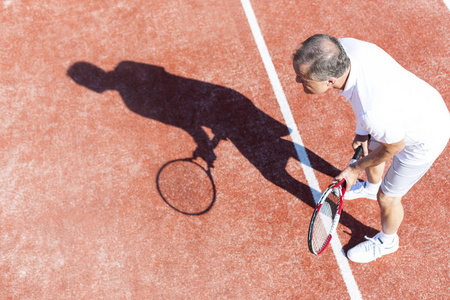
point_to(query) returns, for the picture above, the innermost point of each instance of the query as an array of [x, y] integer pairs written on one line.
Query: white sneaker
[[372, 249], [359, 190]]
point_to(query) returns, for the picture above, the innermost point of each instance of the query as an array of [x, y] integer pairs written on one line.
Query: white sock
[[372, 188], [387, 238]]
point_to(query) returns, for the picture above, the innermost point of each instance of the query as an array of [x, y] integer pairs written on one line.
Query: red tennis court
[[97, 96]]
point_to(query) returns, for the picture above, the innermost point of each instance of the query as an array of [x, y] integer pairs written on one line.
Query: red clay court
[[97, 96]]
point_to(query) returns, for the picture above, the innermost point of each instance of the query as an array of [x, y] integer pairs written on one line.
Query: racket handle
[[357, 155]]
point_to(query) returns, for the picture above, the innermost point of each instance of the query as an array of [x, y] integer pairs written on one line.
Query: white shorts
[[400, 177]]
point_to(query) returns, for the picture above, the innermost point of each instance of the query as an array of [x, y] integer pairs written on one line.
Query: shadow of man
[[189, 104]]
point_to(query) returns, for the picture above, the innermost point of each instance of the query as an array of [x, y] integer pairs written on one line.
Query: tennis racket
[[327, 213]]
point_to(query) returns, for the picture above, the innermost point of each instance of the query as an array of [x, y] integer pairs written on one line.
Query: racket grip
[[357, 155]]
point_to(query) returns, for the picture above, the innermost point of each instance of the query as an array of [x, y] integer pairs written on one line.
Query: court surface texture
[[97, 96]]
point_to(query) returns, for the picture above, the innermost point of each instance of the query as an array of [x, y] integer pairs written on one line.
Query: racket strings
[[324, 223]]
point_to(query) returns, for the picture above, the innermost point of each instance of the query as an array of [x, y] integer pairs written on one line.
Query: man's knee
[[386, 201]]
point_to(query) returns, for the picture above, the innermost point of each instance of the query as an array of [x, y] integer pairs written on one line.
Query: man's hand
[[362, 140], [350, 174]]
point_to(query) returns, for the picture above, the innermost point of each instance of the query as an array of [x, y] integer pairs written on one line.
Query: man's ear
[[331, 82]]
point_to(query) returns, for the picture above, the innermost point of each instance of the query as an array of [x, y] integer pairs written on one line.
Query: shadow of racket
[[186, 186]]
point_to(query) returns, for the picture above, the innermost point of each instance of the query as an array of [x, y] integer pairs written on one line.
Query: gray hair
[[324, 55]]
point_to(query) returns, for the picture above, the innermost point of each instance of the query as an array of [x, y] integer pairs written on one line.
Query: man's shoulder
[[360, 50], [355, 43]]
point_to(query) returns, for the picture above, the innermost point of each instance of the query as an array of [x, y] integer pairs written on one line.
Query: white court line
[[447, 2], [342, 261]]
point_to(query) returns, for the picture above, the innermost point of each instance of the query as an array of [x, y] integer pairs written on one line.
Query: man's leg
[[398, 180], [367, 189], [375, 174], [386, 241], [391, 211]]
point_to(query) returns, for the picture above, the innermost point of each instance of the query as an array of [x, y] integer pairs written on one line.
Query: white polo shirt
[[392, 104]]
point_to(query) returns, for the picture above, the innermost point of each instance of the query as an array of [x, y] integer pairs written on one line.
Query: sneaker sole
[[374, 197]]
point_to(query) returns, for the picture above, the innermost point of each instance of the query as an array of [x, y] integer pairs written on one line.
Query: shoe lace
[[375, 244]]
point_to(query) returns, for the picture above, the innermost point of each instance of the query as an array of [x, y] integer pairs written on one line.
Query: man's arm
[[381, 154]]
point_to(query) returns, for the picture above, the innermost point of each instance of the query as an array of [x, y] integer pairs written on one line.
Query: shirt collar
[[350, 84]]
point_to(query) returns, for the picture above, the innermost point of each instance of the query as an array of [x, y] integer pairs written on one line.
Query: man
[[398, 115]]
